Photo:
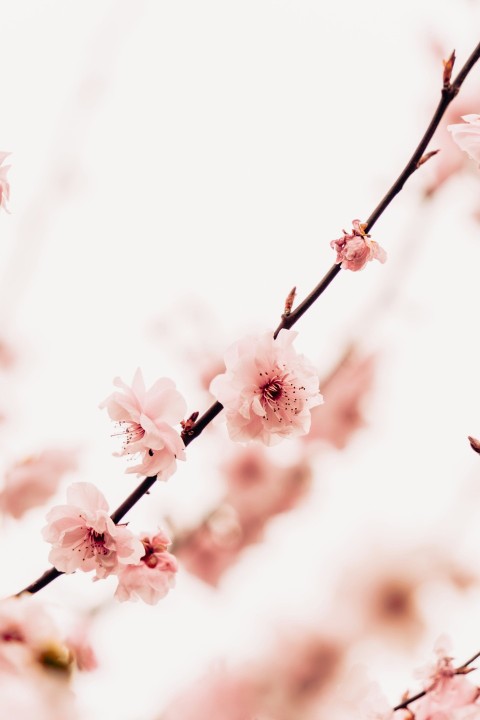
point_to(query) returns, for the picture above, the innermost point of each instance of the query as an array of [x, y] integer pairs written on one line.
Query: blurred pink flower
[[267, 390], [32, 481], [85, 538], [4, 184], [354, 250], [374, 706], [152, 577], [345, 391], [257, 491], [78, 643], [222, 694], [35, 663], [146, 418], [467, 136], [26, 629]]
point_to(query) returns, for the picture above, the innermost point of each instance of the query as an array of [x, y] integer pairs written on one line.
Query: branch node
[[474, 444], [426, 157], [447, 69], [289, 301], [188, 425]]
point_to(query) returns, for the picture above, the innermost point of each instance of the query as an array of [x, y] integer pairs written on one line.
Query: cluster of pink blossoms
[[84, 537], [145, 418], [449, 695], [355, 249], [268, 389]]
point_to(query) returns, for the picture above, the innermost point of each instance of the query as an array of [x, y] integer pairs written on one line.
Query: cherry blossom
[[4, 184], [268, 389], [33, 480], [26, 630], [345, 391], [467, 136], [355, 249], [145, 418], [152, 577], [84, 537], [35, 663]]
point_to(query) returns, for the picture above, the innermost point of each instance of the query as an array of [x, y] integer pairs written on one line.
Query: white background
[[176, 168]]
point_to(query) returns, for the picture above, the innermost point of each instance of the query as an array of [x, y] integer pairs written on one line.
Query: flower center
[[272, 390], [131, 432], [97, 543]]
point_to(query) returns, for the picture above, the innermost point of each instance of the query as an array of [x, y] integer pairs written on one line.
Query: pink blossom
[[78, 643], [84, 537], [467, 136], [257, 490], [345, 391], [354, 250], [267, 390], [33, 480], [4, 184], [373, 705], [151, 578], [26, 629], [146, 418], [35, 663]]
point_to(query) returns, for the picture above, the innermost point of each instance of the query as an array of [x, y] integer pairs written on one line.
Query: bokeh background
[[176, 168]]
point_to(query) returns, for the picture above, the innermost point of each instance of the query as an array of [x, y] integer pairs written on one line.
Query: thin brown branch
[[449, 91]]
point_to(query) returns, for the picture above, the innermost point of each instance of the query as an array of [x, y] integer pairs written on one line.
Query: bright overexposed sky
[[176, 168]]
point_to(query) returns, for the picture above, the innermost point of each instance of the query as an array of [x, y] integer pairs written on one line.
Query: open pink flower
[[32, 481], [4, 184], [84, 537], [146, 418], [151, 578], [467, 136], [355, 249], [267, 390]]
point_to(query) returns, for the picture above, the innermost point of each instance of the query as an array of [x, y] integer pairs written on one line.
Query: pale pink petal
[[145, 420], [86, 495], [467, 135]]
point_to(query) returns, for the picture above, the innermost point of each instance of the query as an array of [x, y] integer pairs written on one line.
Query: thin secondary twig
[[459, 671], [449, 91]]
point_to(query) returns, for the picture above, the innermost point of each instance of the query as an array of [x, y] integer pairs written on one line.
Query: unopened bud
[[474, 444], [289, 301], [447, 69], [187, 425], [426, 157]]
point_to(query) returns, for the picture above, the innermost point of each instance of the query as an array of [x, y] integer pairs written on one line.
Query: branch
[[459, 671], [449, 91]]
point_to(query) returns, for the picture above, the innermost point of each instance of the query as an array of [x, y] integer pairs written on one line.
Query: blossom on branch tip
[[355, 249], [84, 537], [153, 576], [449, 693], [467, 136], [267, 390], [145, 418]]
